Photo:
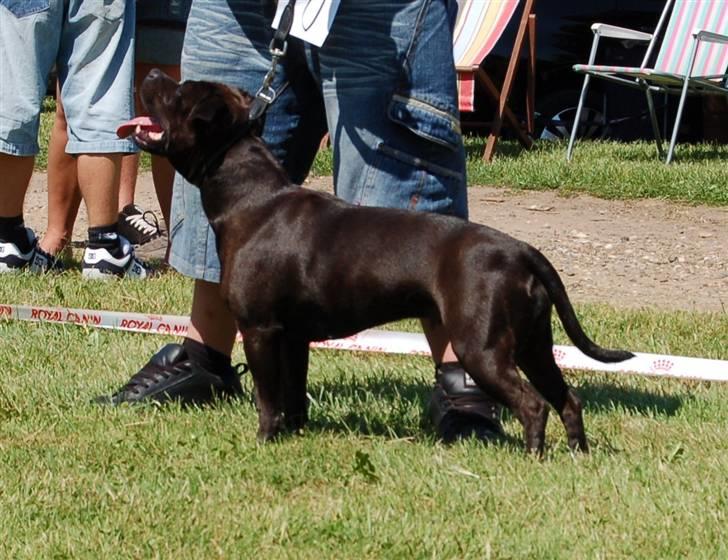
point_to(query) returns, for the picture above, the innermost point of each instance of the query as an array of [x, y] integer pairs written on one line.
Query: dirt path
[[629, 254]]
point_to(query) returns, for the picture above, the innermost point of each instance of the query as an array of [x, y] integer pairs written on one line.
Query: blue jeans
[[91, 43], [383, 83]]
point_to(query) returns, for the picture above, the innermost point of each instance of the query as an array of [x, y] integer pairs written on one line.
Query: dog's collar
[[216, 158]]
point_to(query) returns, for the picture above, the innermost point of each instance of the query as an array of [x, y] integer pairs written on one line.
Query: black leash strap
[[278, 48]]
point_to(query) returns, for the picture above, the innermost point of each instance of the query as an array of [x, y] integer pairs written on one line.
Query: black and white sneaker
[[137, 225], [13, 257], [171, 375], [100, 264]]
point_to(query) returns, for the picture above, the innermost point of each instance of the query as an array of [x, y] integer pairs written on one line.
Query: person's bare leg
[[128, 179], [211, 322], [163, 177], [439, 342], [64, 196], [98, 178], [16, 173]]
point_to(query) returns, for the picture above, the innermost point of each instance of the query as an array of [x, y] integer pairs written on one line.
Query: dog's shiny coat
[[300, 266]]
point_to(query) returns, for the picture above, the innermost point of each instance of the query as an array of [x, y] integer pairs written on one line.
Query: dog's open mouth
[[146, 130]]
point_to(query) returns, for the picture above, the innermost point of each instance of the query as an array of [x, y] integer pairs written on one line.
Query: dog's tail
[[556, 290]]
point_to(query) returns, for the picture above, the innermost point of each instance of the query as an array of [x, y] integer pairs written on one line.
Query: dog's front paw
[[296, 422], [270, 429], [267, 436]]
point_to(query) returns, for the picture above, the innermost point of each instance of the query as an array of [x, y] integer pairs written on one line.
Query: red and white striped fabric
[[688, 17], [673, 58], [479, 25]]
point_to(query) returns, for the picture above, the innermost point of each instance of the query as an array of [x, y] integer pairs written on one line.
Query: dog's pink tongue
[[143, 123]]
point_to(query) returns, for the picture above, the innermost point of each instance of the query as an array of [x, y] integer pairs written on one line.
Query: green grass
[[368, 478], [609, 170]]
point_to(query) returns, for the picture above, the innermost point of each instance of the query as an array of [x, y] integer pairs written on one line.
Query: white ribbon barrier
[[371, 340]]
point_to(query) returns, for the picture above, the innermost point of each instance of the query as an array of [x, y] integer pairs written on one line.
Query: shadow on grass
[[369, 406], [602, 397], [475, 146], [377, 407], [399, 409]]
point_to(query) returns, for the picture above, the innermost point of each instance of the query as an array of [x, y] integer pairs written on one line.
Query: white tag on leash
[[312, 19]]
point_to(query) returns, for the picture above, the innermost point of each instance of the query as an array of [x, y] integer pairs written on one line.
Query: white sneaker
[[99, 264], [12, 259]]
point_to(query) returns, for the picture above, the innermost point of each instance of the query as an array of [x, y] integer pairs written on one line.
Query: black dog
[[300, 266]]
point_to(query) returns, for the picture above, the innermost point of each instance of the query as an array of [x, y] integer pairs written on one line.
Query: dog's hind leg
[[263, 352], [492, 368], [536, 359], [294, 370]]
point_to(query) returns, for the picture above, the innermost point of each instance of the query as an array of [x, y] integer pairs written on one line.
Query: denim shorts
[[91, 43], [160, 30], [159, 45], [383, 84]]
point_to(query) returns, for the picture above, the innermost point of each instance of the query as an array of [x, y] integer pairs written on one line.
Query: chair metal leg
[[575, 127], [655, 123], [681, 105], [676, 126]]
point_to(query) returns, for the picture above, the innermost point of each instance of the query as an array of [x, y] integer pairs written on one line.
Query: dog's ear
[[206, 110]]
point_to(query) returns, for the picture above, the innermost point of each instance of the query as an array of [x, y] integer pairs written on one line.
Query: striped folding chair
[[479, 26], [691, 58]]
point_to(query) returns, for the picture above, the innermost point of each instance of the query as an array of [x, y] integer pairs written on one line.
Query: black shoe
[[45, 262], [170, 375], [137, 225], [459, 409]]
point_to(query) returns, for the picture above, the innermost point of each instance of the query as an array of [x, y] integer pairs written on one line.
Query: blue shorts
[[383, 83], [159, 45], [160, 31], [91, 43]]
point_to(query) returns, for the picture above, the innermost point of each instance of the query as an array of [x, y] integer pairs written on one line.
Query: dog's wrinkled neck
[[208, 164], [257, 177]]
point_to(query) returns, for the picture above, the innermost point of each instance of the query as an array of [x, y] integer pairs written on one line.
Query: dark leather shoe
[[460, 409], [170, 375]]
